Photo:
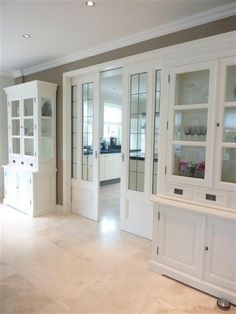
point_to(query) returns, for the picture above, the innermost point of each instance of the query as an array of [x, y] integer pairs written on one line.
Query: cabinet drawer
[[179, 191], [210, 197], [232, 200]]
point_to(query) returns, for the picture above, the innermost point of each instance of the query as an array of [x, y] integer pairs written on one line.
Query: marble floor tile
[[18, 295], [63, 263]]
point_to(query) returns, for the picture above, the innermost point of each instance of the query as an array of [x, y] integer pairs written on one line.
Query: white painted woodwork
[[30, 181], [85, 194], [195, 247], [221, 255], [180, 240], [110, 166], [136, 208]]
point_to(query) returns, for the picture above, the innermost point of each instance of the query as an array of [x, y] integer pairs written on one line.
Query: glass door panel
[[28, 107], [192, 88], [156, 130], [189, 161], [46, 127], [230, 94], [46, 107], [191, 117], [28, 147], [228, 170], [230, 125], [87, 131], [16, 145], [28, 127], [138, 100], [15, 127], [228, 145], [15, 108], [190, 125], [46, 141]]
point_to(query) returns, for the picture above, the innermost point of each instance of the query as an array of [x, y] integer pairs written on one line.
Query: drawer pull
[[31, 165], [211, 197], [178, 191], [22, 162], [13, 161]]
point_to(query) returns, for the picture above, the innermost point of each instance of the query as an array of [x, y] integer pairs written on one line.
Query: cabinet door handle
[[206, 248]]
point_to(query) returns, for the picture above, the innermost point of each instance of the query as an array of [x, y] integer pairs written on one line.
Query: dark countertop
[[110, 151]]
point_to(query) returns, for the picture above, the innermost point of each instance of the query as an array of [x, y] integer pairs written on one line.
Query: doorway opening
[[111, 97]]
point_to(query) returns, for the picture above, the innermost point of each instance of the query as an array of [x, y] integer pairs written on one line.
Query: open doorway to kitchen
[[111, 95]]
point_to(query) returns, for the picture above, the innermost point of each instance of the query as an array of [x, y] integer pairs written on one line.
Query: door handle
[[123, 157], [96, 154]]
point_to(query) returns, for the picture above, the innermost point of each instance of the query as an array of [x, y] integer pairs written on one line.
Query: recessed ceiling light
[[26, 35], [90, 3]]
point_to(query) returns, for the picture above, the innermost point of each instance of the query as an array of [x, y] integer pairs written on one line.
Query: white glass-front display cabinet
[[201, 145], [32, 145], [189, 132]]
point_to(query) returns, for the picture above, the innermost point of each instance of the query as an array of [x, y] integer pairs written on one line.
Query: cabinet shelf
[[46, 118], [191, 107], [188, 143]]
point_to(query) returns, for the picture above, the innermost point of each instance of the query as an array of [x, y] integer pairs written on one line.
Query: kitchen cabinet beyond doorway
[[110, 166]]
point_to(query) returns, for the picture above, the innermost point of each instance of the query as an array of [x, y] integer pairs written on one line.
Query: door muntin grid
[[137, 131]]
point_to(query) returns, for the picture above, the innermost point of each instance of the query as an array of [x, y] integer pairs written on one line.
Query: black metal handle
[[217, 124], [206, 248]]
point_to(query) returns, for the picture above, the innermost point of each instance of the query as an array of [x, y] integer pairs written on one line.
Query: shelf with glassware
[[32, 147], [201, 130]]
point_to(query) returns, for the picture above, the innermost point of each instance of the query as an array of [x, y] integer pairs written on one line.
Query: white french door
[[85, 146], [136, 183]]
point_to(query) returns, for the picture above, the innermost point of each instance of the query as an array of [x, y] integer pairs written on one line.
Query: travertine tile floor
[[63, 263]]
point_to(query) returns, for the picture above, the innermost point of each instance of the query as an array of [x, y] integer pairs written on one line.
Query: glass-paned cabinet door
[[46, 122], [189, 120], [137, 136], [227, 122], [28, 126], [15, 126]]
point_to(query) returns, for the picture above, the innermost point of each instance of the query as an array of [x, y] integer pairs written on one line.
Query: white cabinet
[[201, 140], [18, 189], [220, 268], [110, 166], [32, 145], [179, 236], [196, 248]]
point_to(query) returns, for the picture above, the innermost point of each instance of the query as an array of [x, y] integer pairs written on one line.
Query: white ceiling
[[62, 28]]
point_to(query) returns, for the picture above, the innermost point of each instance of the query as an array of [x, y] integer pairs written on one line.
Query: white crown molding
[[178, 25]]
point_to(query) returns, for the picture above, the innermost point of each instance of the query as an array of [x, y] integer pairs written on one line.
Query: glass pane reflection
[[228, 170], [189, 161], [230, 125]]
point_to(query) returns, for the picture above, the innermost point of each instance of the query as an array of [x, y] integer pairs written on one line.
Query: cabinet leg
[[223, 304]]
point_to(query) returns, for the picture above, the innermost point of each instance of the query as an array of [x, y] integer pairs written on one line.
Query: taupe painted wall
[[55, 74]]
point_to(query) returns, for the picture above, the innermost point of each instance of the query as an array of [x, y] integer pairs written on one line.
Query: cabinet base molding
[[196, 283]]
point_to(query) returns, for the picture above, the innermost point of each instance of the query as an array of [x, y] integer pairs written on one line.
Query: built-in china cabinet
[[30, 175], [194, 229]]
